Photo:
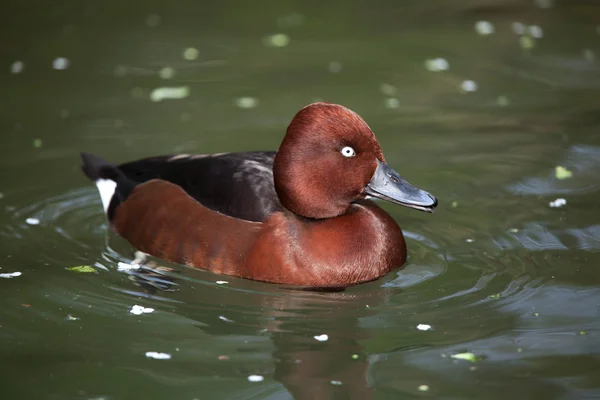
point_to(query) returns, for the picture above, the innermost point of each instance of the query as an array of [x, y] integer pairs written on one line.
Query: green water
[[495, 271]]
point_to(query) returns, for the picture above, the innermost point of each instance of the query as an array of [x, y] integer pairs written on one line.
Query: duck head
[[330, 158]]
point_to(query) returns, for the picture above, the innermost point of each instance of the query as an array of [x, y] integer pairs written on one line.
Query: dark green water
[[495, 271]]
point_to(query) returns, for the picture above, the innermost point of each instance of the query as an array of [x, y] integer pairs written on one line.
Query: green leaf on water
[[495, 296], [84, 269], [465, 356], [562, 173]]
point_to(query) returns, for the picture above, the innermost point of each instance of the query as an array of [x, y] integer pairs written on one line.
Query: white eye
[[348, 152]]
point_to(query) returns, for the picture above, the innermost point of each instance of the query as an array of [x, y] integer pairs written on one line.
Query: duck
[[304, 215]]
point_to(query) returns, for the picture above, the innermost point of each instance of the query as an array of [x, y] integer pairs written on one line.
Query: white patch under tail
[[107, 188]]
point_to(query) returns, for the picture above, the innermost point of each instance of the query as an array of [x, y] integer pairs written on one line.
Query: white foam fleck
[[468, 86], [484, 27], [158, 356], [60, 63], [423, 327], [10, 275], [32, 221], [174, 93], [321, 338], [256, 378], [558, 203], [139, 310], [121, 266], [17, 67]]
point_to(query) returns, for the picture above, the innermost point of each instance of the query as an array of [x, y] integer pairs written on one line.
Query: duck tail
[[113, 185]]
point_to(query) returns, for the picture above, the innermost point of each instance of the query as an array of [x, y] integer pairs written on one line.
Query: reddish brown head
[[329, 159]]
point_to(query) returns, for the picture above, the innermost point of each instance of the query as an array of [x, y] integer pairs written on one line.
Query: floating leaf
[[495, 296], [563, 173], [84, 269]]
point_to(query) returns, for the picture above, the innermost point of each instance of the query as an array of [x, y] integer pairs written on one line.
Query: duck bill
[[387, 184]]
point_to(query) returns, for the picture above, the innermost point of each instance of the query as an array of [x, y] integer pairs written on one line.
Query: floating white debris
[[335, 67], [60, 63], [256, 378], [465, 356], [336, 383], [246, 102], [121, 266], [153, 20], [276, 40], [518, 28], [191, 53], [536, 31], [139, 310], [437, 64], [388, 90], [423, 388], [468, 86], [32, 221], [166, 73], [558, 203], [322, 338], [423, 327], [10, 275], [17, 67], [221, 282], [173, 93], [224, 318], [392, 102], [158, 356], [469, 240], [484, 27]]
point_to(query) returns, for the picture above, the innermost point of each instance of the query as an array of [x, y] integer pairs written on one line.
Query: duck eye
[[348, 152]]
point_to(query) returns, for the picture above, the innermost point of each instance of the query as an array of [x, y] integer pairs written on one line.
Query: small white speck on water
[[17, 67], [518, 28], [166, 73], [32, 221], [139, 310], [468, 86], [276, 40], [484, 28], [536, 31], [256, 378], [558, 203], [122, 267], [191, 54], [437, 64], [423, 327], [423, 388], [10, 275], [246, 102], [224, 318], [335, 67], [60, 63], [469, 240], [221, 282], [321, 338], [153, 20], [392, 102], [336, 383], [172, 93], [158, 356], [388, 90]]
